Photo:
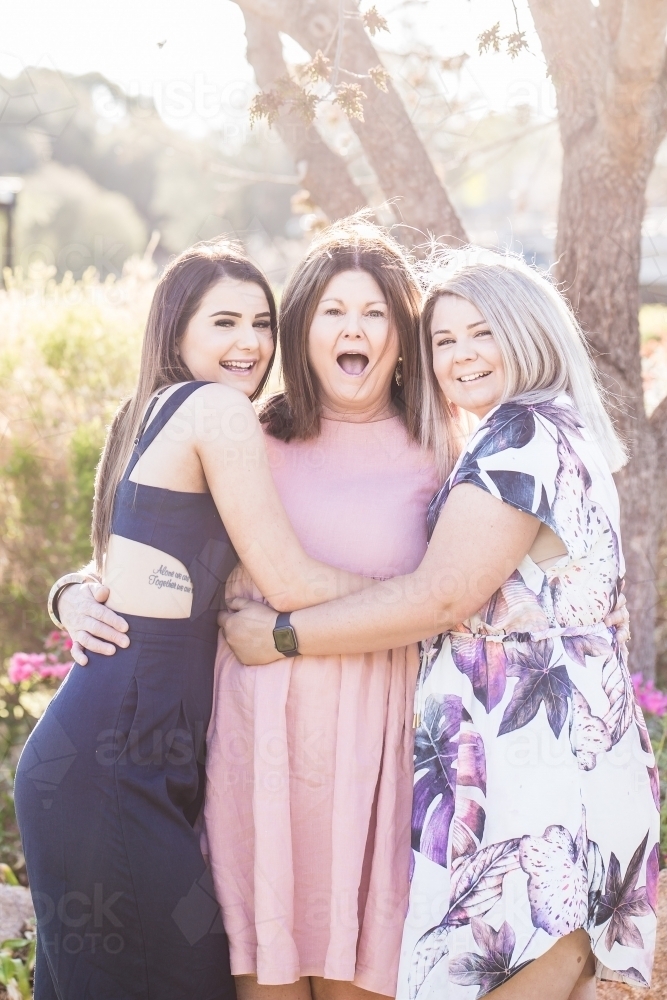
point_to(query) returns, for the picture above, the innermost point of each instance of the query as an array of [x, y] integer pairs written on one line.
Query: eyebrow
[[470, 326], [373, 302], [228, 312]]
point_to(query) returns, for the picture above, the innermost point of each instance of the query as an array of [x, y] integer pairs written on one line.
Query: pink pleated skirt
[[308, 814]]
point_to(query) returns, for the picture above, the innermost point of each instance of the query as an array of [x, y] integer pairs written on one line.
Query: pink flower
[[57, 642], [55, 669], [24, 665], [649, 698]]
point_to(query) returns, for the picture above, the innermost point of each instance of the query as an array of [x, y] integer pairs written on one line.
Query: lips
[[473, 377], [238, 367], [353, 364]]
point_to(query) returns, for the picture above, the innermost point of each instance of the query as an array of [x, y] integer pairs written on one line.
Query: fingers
[[239, 603], [99, 592], [622, 600], [104, 615], [78, 654], [101, 630], [95, 645], [223, 618], [622, 634]]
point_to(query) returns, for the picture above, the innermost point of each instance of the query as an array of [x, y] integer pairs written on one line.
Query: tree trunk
[[599, 253], [607, 63], [324, 172]]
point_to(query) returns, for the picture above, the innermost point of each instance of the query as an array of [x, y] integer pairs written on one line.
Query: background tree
[[607, 63]]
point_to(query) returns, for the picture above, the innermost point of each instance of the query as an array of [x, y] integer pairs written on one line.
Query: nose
[[465, 350], [352, 326], [247, 338]]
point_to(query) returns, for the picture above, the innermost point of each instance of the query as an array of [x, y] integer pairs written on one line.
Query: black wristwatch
[[284, 636]]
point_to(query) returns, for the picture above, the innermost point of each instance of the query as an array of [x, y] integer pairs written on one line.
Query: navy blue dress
[[111, 782]]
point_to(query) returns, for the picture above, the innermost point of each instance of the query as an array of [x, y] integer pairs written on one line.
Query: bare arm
[[230, 444], [477, 544], [233, 455]]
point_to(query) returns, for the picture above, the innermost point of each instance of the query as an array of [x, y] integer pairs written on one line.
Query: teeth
[[240, 365], [473, 378]]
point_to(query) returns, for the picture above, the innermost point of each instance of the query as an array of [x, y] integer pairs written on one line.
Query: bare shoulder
[[223, 397], [227, 411]]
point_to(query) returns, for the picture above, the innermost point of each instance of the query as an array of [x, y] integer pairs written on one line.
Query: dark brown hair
[[179, 292], [353, 244]]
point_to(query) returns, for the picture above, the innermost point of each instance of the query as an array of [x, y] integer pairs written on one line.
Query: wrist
[[58, 590], [284, 636]]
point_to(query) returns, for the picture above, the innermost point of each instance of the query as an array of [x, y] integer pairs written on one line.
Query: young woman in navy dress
[[110, 783]]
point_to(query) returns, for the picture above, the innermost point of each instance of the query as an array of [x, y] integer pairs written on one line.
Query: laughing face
[[466, 358], [229, 338], [353, 347]]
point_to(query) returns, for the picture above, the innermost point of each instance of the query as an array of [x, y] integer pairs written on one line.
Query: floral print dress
[[536, 794]]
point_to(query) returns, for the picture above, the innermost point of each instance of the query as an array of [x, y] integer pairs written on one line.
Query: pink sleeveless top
[[310, 759]]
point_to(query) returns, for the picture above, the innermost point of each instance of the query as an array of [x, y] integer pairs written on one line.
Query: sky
[[190, 56]]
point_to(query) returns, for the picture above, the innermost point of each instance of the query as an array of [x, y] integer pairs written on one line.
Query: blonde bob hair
[[542, 346]]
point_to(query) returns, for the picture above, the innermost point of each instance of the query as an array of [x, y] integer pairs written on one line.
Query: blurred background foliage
[[69, 352]]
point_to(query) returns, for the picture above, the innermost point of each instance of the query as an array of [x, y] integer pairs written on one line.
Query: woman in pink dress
[[310, 771]]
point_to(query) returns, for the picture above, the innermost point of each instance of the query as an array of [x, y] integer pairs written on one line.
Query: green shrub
[[69, 353]]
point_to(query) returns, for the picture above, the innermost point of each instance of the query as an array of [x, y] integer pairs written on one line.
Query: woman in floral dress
[[535, 816]]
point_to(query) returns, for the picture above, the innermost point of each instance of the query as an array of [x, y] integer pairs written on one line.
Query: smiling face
[[353, 347], [229, 338], [466, 357]]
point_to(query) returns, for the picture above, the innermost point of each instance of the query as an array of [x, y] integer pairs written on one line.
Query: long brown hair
[[178, 294], [352, 244]]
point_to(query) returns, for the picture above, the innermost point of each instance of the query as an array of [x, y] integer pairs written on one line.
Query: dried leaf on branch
[[350, 97], [374, 21], [380, 78]]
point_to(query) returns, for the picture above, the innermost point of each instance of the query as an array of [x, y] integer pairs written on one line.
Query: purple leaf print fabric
[[435, 754], [539, 683], [439, 743], [557, 880], [492, 965], [536, 796], [484, 664], [477, 881], [622, 901]]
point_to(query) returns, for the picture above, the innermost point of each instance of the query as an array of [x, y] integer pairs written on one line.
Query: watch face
[[285, 639]]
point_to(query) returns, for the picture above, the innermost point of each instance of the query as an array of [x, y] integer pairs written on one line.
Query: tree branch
[[325, 175], [640, 44], [572, 49], [388, 137], [609, 17]]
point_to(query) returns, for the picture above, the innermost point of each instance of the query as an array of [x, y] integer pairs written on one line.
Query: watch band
[[284, 636], [69, 580]]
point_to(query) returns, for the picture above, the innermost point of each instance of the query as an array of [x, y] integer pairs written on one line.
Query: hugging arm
[[238, 474], [230, 444], [477, 544]]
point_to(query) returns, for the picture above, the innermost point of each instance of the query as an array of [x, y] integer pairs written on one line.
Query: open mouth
[[353, 364], [238, 367], [474, 377]]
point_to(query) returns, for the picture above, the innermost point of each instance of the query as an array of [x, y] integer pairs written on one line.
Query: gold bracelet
[[56, 590]]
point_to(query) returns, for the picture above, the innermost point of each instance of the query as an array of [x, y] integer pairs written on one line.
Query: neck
[[338, 410]]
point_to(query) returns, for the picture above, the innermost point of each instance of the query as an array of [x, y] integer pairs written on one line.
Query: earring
[[398, 372]]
